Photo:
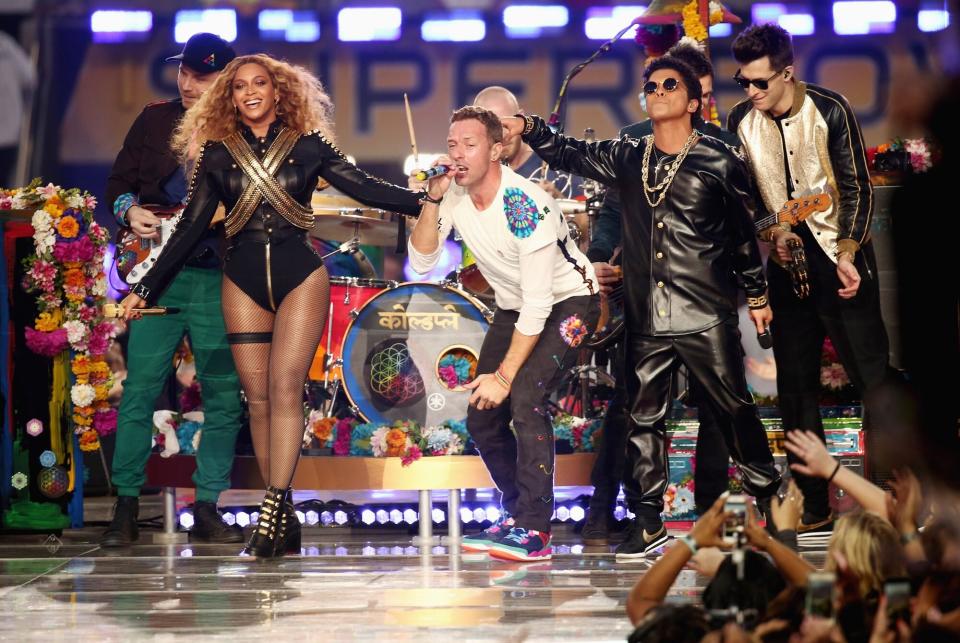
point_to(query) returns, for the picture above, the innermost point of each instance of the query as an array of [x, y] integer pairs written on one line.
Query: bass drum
[[408, 352], [347, 297]]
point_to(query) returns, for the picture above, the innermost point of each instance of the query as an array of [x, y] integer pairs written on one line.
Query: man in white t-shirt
[[547, 303]]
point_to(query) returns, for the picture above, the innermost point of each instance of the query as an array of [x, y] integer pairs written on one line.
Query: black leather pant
[[714, 357]]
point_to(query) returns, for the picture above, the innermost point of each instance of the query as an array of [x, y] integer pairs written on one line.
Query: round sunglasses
[[669, 85]]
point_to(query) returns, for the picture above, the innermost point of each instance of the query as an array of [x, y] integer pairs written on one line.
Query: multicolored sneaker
[[482, 541], [523, 545]]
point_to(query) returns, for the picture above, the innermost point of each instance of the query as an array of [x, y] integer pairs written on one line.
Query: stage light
[[456, 26], [450, 258], [929, 20], [479, 514], [120, 26], [301, 517], [326, 518], [863, 17], [493, 514], [243, 518], [341, 551], [409, 516], [619, 512], [367, 550], [340, 517], [382, 516], [798, 24], [367, 517], [186, 520], [603, 23], [466, 516], [563, 514], [438, 515], [229, 518], [721, 30], [766, 12], [186, 553], [364, 24], [577, 513], [189, 22], [312, 517], [424, 160], [534, 20], [396, 516], [288, 25]]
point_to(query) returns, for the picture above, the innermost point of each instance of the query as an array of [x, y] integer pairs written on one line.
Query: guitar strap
[[263, 183]]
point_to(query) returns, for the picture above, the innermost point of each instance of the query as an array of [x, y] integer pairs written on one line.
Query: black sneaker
[[123, 530], [208, 526], [596, 528], [641, 542]]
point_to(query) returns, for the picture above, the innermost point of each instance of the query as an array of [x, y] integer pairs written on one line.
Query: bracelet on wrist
[[426, 198], [755, 303], [834, 474], [688, 540]]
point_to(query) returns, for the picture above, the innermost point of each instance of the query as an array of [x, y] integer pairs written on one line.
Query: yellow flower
[[692, 26], [89, 441], [47, 322], [53, 209], [82, 420]]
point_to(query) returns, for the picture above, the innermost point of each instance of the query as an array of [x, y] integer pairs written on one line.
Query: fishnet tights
[[272, 375]]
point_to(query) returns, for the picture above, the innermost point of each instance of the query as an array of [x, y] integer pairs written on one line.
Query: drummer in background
[[517, 154], [547, 303]]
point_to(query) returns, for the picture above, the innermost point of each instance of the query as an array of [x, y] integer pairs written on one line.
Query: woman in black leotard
[[262, 135]]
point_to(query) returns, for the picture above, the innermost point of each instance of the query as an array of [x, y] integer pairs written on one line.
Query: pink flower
[[80, 250], [50, 190], [48, 344], [6, 203], [90, 202], [833, 377], [412, 455], [105, 422], [343, 429]]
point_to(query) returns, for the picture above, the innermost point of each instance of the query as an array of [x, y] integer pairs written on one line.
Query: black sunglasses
[[760, 83], [669, 85]]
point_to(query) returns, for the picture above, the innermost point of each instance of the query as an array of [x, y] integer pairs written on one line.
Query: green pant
[[153, 340]]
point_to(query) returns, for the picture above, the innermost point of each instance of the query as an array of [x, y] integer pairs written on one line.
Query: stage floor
[[347, 584]]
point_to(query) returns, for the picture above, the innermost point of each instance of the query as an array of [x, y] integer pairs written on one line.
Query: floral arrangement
[[454, 370], [656, 39], [692, 24], [66, 272], [177, 432], [579, 434], [833, 377], [900, 156]]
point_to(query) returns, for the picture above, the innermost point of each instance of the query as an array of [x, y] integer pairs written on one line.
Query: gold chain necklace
[[671, 173]]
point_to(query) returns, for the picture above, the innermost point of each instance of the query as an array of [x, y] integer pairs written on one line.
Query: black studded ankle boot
[[289, 541], [265, 537]]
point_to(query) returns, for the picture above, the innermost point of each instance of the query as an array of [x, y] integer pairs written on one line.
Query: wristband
[[833, 475], [502, 379], [687, 540], [425, 197], [755, 303]]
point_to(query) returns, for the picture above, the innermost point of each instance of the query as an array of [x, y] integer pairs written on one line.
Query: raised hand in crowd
[[795, 570], [817, 462], [886, 632], [786, 513]]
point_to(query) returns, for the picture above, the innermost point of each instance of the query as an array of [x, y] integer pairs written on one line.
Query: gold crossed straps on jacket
[[263, 184]]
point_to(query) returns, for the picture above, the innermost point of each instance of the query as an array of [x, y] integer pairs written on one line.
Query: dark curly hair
[[758, 41], [693, 56], [689, 77], [489, 120]]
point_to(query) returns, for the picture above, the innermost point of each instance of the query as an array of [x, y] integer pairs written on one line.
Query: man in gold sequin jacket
[[798, 139]]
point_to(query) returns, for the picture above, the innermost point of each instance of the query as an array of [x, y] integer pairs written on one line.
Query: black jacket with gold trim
[[218, 178], [683, 259], [825, 153]]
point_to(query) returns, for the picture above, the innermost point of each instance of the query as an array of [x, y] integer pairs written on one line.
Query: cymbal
[[572, 206], [367, 230], [331, 201]]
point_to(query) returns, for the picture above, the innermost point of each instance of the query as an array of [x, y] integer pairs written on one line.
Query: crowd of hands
[[930, 551]]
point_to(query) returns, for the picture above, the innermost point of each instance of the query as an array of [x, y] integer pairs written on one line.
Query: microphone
[[765, 339], [437, 170], [116, 311]]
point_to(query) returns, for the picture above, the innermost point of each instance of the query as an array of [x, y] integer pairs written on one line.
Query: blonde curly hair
[[303, 105]]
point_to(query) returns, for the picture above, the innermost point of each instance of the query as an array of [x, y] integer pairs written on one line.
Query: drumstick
[[413, 137]]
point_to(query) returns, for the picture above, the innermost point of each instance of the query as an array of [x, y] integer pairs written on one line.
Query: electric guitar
[[610, 326], [792, 213], [136, 255]]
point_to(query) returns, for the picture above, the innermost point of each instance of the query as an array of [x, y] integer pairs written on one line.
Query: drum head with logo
[[408, 352]]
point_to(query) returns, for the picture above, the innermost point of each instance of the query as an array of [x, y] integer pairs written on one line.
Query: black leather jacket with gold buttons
[[217, 177], [683, 260]]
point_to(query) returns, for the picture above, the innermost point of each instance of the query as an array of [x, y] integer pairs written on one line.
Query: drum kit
[[397, 350]]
